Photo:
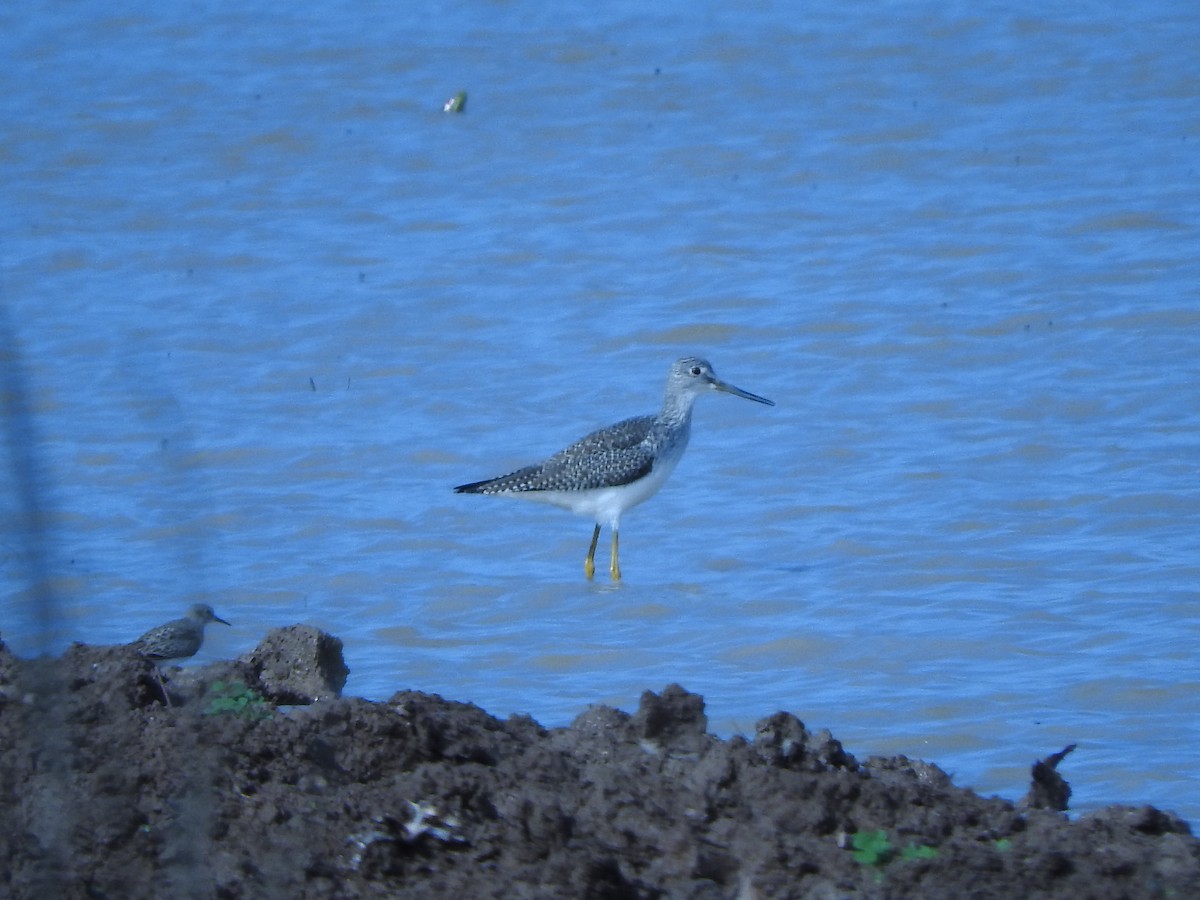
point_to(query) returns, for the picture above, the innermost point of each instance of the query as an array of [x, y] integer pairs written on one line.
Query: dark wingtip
[[472, 488]]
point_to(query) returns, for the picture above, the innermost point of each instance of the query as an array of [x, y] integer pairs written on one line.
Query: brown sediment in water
[[107, 792]]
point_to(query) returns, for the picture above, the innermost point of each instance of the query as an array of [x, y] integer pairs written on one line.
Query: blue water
[[264, 304]]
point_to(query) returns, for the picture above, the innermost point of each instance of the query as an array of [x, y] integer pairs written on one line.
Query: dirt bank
[[107, 792]]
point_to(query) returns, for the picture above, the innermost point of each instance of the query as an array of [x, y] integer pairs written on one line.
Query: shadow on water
[[49, 817], [50, 795]]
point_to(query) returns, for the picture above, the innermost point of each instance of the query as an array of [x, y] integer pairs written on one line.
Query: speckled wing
[[609, 457], [174, 640]]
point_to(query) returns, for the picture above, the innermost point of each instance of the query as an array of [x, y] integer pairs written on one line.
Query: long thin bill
[[738, 392]]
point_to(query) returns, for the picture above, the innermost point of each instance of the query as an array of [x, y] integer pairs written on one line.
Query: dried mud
[[261, 781]]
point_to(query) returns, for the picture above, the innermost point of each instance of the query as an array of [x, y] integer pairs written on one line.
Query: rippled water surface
[[264, 304]]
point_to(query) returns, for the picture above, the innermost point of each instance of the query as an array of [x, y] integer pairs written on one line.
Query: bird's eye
[[696, 370]]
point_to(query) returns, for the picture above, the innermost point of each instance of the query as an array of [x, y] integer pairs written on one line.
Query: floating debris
[[456, 104]]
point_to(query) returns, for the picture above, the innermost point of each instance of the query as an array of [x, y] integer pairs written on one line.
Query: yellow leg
[[589, 564], [614, 568]]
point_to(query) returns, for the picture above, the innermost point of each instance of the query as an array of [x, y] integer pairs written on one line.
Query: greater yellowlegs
[[616, 468]]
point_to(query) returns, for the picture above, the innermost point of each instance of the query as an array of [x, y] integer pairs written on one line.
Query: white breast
[[605, 505]]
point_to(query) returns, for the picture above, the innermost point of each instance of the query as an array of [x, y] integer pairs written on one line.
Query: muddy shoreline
[[260, 780]]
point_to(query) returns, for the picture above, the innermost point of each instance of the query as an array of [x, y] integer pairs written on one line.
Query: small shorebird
[[177, 639], [616, 468]]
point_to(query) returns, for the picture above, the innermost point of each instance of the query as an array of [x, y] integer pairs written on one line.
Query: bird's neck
[[677, 410]]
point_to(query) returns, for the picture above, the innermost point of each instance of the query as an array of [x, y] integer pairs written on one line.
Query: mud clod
[[235, 791]]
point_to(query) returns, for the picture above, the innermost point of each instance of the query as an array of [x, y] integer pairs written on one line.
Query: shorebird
[[177, 639], [615, 468]]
